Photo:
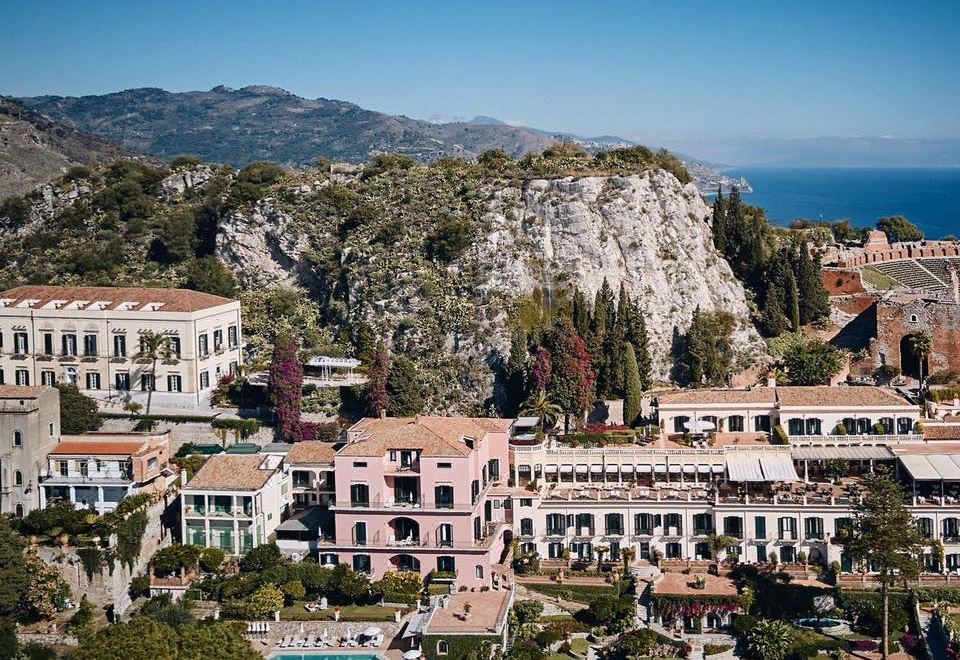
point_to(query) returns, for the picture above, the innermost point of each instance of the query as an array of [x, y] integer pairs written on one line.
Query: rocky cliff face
[[645, 230]]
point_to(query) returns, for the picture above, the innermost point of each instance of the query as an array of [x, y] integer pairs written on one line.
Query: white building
[[92, 336], [235, 501]]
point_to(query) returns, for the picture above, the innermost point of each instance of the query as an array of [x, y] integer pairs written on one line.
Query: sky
[[662, 72]]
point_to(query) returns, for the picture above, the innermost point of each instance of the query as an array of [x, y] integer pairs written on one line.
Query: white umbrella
[[412, 654], [301, 627], [372, 631], [699, 426], [349, 634]]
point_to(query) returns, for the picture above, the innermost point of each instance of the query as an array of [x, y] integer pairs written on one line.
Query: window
[[443, 496], [18, 478], [18, 511], [63, 468], [925, 526], [446, 564], [644, 523], [493, 466], [70, 373], [478, 572], [843, 527], [173, 346], [360, 533], [234, 366], [526, 501], [20, 344], [813, 528], [813, 426], [526, 526], [444, 466], [913, 318], [2, 381], [443, 647], [584, 524], [18, 438], [614, 524], [904, 424], [673, 551], [761, 423], [445, 535], [760, 527], [152, 463], [93, 380], [122, 381], [329, 559], [202, 345], [50, 428], [702, 524], [787, 528], [361, 564], [22, 377], [68, 343], [951, 528], [174, 384], [735, 423], [147, 382], [673, 524], [864, 426], [556, 524], [359, 464], [886, 423], [795, 426], [232, 336], [48, 378], [679, 424], [218, 340], [119, 346], [48, 343], [359, 495], [204, 380], [90, 346], [83, 468]]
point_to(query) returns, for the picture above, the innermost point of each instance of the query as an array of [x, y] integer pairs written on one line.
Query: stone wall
[[900, 317], [184, 432], [111, 587], [841, 281]]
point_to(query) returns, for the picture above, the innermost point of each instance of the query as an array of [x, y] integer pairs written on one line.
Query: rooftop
[[97, 448], [100, 298], [234, 472], [680, 584], [752, 395], [434, 436], [488, 612], [791, 395], [310, 451], [20, 392]]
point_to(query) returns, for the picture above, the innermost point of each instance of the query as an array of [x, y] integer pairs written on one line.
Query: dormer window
[[55, 304], [128, 306], [5, 302], [77, 304], [29, 303], [99, 305], [153, 306]]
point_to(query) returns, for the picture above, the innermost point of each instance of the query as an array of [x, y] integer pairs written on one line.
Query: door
[[487, 511]]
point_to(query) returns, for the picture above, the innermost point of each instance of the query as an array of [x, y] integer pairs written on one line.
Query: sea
[[930, 198]]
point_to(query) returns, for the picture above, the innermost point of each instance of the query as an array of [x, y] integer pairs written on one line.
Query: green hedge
[[580, 593], [459, 646]]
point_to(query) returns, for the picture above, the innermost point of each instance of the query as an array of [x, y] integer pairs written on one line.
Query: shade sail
[[920, 468]]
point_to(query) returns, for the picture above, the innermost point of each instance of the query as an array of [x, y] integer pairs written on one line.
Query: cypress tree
[[517, 364], [377, 397], [774, 320], [633, 389], [720, 222], [580, 313], [404, 389], [791, 302], [814, 302], [636, 334]]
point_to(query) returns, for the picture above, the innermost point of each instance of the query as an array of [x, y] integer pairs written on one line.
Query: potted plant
[[466, 611]]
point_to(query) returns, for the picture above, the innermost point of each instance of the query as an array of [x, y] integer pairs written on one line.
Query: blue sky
[[663, 72]]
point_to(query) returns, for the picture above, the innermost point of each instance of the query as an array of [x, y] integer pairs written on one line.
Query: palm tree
[[601, 550], [717, 544], [769, 639], [627, 555], [153, 346], [541, 406], [922, 345]]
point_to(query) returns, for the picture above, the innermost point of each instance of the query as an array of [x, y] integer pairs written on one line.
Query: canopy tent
[[932, 467], [778, 467], [845, 452]]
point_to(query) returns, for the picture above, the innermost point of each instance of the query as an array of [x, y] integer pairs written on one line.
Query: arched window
[[18, 478], [17, 438], [913, 318], [443, 647], [18, 510]]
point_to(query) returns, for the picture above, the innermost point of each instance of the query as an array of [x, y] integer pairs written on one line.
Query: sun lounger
[[285, 642], [311, 640]]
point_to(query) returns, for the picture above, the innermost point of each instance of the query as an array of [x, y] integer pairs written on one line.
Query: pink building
[[424, 494]]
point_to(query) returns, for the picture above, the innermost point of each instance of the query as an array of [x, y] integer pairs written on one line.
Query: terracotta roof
[[941, 431], [488, 612], [311, 451], [434, 436], [174, 300], [20, 392], [232, 472], [94, 448], [752, 395], [825, 395]]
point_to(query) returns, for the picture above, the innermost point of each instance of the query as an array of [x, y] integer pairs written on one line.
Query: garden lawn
[[296, 612], [580, 593]]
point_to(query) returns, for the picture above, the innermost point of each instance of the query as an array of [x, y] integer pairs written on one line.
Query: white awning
[[946, 465], [718, 468], [778, 467], [674, 469], [581, 469], [705, 469], [920, 468], [566, 468], [848, 452], [689, 469], [613, 468], [744, 467], [596, 468], [660, 467]]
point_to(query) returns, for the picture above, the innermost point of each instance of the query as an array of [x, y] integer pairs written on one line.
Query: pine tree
[[377, 397], [633, 389], [720, 222]]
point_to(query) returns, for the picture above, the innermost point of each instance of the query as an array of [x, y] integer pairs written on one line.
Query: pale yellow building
[[93, 337]]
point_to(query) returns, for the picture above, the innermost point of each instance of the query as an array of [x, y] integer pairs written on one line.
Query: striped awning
[[851, 453], [761, 467], [932, 467]]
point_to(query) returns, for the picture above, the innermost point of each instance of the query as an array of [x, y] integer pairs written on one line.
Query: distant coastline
[[930, 197]]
